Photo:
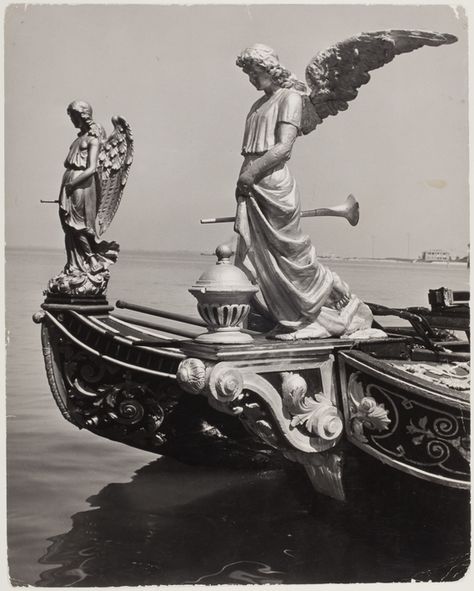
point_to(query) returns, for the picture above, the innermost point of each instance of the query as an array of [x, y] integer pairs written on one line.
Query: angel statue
[[303, 298], [97, 169]]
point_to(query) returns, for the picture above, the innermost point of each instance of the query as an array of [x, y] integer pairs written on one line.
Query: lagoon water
[[84, 511]]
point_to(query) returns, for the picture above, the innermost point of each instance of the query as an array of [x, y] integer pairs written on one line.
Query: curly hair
[[265, 57], [84, 110]]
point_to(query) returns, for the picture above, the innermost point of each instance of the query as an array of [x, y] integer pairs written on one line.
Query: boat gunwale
[[383, 370], [109, 359]]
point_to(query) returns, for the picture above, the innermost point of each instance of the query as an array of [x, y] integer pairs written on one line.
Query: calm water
[[83, 511]]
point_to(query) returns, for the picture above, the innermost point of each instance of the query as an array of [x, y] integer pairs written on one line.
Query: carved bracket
[[287, 418]]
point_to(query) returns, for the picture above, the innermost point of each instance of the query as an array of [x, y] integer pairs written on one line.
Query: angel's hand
[[244, 185], [69, 188]]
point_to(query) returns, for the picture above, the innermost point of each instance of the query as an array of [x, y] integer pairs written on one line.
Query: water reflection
[[175, 524]]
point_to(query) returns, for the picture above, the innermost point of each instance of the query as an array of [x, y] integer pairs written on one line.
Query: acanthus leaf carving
[[316, 413]]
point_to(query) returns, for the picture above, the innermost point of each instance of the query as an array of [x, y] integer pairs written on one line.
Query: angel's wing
[[115, 159], [334, 75]]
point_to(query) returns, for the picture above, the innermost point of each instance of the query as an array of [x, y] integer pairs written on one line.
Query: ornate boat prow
[[180, 388]]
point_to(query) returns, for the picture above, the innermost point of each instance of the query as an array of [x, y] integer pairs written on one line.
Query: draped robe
[[272, 247], [78, 212]]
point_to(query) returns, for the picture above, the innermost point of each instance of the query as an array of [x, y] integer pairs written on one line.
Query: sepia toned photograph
[[236, 294]]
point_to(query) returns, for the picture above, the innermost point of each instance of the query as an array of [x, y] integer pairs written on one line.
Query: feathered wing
[[115, 159], [335, 75]]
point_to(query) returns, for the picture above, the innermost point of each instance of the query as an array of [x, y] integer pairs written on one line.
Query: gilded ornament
[[191, 375], [97, 169]]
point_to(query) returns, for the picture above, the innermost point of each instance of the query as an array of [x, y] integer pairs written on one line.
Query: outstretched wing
[[115, 159], [334, 75]]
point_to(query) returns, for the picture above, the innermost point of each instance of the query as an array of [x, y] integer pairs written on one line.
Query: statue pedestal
[[92, 304], [79, 284]]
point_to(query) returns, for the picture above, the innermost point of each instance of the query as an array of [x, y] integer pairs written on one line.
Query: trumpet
[[349, 210]]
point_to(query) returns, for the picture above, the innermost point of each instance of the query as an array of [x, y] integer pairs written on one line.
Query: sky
[[401, 148]]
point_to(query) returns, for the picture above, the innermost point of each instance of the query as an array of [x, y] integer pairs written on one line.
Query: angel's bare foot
[[340, 295]]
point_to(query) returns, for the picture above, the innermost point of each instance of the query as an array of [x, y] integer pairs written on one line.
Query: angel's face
[[75, 118], [259, 78]]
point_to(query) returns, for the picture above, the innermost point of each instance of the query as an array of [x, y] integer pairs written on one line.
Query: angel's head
[[80, 113], [262, 65]]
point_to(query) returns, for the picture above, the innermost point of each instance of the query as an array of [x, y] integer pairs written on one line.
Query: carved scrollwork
[[316, 413], [365, 412], [191, 375], [417, 434], [292, 419], [226, 383], [82, 283], [115, 403], [128, 405]]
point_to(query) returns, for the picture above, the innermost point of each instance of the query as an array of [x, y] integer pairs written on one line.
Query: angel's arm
[[92, 157], [286, 132], [286, 135]]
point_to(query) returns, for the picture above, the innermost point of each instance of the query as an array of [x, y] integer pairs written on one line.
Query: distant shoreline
[[196, 253]]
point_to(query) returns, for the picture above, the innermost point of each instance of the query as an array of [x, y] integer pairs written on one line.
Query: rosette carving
[[315, 412], [191, 375], [365, 412]]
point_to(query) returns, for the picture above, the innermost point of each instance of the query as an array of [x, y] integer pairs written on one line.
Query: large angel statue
[[304, 298], [97, 169]]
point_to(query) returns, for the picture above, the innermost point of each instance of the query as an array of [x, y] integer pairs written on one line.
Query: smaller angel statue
[[302, 297], [96, 172]]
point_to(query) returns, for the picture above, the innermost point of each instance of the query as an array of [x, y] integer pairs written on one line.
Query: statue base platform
[[79, 283], [225, 337], [89, 304]]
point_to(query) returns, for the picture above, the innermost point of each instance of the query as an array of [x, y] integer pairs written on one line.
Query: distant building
[[435, 254]]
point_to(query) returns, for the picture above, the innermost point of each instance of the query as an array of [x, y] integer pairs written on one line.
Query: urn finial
[[223, 293]]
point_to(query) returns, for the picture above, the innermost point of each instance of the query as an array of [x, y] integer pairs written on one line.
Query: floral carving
[[365, 412], [316, 413]]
